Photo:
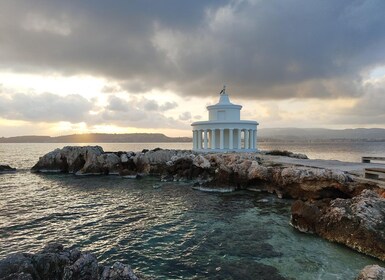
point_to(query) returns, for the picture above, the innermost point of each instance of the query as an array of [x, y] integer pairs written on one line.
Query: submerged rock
[[55, 262], [372, 272], [357, 222], [6, 168]]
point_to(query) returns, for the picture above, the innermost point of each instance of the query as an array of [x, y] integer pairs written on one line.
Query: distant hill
[[264, 134], [97, 138], [321, 134]]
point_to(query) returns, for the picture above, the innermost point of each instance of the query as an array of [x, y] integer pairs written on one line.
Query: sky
[[153, 66]]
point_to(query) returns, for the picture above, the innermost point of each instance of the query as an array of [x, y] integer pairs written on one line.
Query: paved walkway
[[355, 168]]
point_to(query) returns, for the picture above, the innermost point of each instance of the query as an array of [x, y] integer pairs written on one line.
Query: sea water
[[167, 232]]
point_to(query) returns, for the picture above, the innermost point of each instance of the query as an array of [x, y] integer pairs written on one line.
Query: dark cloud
[[369, 109], [261, 49]]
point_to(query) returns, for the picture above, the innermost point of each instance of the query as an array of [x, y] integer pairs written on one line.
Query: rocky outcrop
[[372, 272], [228, 171], [55, 262], [357, 222], [6, 169]]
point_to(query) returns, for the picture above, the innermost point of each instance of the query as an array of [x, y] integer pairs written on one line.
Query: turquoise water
[[171, 232]]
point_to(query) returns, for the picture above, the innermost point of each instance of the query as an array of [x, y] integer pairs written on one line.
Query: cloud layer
[[268, 49]]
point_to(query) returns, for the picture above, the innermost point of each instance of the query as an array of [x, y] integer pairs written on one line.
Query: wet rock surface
[[56, 262], [372, 272], [357, 222]]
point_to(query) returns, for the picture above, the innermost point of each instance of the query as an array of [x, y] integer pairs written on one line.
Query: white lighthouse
[[225, 131]]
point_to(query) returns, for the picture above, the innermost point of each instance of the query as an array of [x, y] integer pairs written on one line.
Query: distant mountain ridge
[[319, 134], [264, 134], [97, 138]]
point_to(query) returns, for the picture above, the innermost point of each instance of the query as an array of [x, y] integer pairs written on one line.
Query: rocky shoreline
[[56, 262], [330, 202], [213, 172]]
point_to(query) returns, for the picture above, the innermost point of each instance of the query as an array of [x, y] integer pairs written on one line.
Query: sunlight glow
[[87, 86]]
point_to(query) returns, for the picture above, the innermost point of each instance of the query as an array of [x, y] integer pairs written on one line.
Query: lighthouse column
[[250, 139], [246, 139], [199, 144], [213, 139], [205, 139], [239, 138], [231, 139], [221, 146]]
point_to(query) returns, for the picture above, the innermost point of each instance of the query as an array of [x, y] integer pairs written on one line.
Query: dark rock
[[16, 265], [304, 216], [6, 168], [55, 262], [286, 154], [118, 271], [85, 267]]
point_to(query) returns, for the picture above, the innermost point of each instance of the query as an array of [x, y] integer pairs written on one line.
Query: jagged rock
[[15, 265], [372, 272], [56, 263], [6, 168], [124, 158], [201, 162], [357, 222], [118, 271], [227, 170], [70, 159], [85, 267]]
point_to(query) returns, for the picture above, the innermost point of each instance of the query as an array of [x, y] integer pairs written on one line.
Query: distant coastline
[[308, 135], [97, 138]]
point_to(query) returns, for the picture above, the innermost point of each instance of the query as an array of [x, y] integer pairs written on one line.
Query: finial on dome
[[223, 91]]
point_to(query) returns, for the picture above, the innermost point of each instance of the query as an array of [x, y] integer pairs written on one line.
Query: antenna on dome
[[223, 91]]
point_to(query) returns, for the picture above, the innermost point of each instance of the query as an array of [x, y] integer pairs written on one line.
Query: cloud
[[369, 109], [260, 48], [168, 106], [45, 107], [136, 112], [185, 116]]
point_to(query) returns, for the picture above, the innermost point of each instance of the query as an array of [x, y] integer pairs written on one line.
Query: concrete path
[[355, 168]]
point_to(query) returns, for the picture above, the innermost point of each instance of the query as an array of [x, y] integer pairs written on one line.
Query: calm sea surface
[[170, 232]]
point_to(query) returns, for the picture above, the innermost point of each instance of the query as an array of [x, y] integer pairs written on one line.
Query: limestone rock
[[227, 170], [372, 272], [201, 162], [356, 222], [70, 159]]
